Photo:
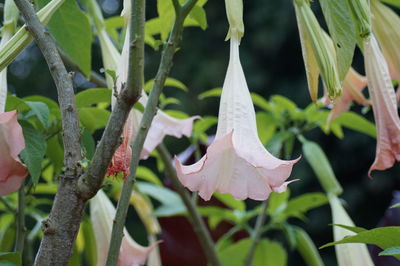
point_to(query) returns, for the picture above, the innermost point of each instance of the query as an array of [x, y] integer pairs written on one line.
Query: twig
[[195, 218], [256, 234], [148, 115], [20, 238]]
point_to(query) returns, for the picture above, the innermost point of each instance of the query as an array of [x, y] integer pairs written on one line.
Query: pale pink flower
[[384, 106], [12, 171], [102, 213], [162, 124], [353, 85], [236, 162]]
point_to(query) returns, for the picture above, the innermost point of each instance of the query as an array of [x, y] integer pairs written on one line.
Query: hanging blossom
[[162, 124], [12, 171], [102, 213], [353, 85], [347, 254], [384, 106], [236, 162]]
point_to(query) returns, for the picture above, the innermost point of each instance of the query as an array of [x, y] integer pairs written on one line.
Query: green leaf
[[203, 124], [177, 114], [170, 82], [266, 126], [216, 92], [306, 248], [260, 102], [383, 237], [277, 202], [90, 250], [397, 205], [198, 14], [354, 229], [221, 214], [171, 202], [72, 31], [341, 28], [268, 253], [356, 122], [394, 251], [321, 166], [90, 97], [298, 206], [93, 118], [35, 149], [41, 111], [148, 175], [229, 201], [10, 259], [395, 3], [88, 143]]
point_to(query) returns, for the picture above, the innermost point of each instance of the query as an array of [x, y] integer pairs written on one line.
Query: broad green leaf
[[198, 14], [221, 213], [148, 175], [277, 202], [316, 157], [284, 103], [90, 251], [394, 251], [88, 143], [383, 237], [41, 111], [10, 259], [229, 201], [354, 229], [90, 97], [342, 31], [37, 98], [93, 118], [55, 152], [35, 149], [216, 92], [170, 82], [266, 126], [113, 25], [356, 122], [306, 248], [15, 103], [395, 3], [260, 102], [72, 31], [268, 253], [171, 202], [177, 114], [275, 144], [298, 206]]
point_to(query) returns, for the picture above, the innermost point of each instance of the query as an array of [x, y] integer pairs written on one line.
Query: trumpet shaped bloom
[[162, 124], [353, 86], [102, 213], [347, 254], [236, 162], [12, 171], [384, 105]]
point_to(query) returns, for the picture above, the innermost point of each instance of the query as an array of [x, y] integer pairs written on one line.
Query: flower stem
[[151, 108], [195, 218], [20, 238], [256, 235]]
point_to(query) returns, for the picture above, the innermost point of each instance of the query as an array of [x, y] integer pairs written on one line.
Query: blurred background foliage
[[272, 62]]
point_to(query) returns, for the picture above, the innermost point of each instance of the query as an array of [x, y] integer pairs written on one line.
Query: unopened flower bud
[[362, 16], [234, 12]]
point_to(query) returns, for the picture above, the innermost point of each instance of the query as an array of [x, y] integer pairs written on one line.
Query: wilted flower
[[102, 213], [384, 106], [12, 171], [353, 85], [347, 254], [236, 162]]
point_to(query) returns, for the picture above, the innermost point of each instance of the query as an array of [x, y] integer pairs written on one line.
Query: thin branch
[[256, 234], [177, 5], [148, 115], [21, 230], [198, 224], [63, 81]]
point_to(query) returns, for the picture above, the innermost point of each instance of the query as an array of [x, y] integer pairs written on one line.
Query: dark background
[[271, 59]]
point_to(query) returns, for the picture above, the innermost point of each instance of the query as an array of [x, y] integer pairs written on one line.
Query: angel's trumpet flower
[[236, 162], [102, 213], [12, 171], [384, 105]]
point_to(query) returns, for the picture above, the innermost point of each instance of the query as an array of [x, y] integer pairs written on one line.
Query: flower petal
[[102, 213], [384, 106], [223, 169]]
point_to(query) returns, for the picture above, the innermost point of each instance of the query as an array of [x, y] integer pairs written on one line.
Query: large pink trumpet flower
[[102, 213], [236, 162], [384, 106], [12, 171], [353, 85]]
